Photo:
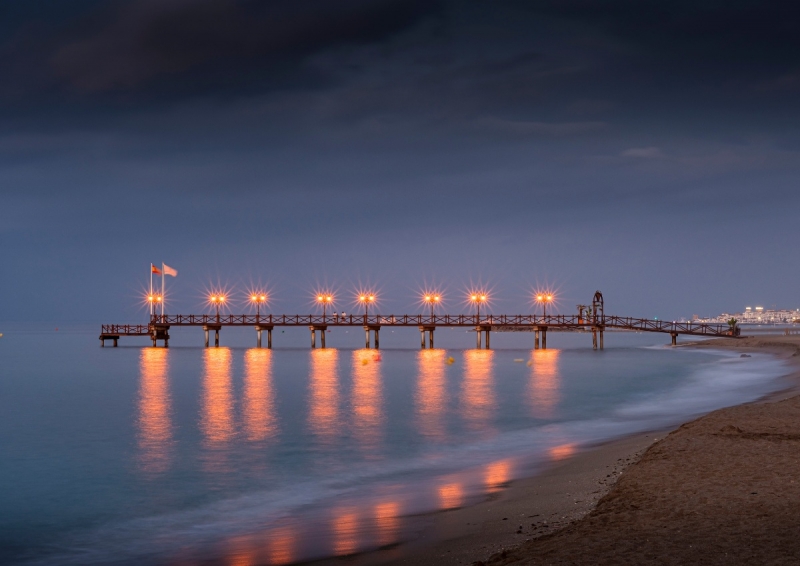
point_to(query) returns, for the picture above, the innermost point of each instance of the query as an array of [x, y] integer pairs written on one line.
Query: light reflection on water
[[252, 456], [345, 531], [544, 383], [281, 545], [260, 421], [497, 474], [477, 394], [367, 400], [323, 416], [216, 417], [387, 519], [430, 395], [562, 451], [155, 426], [451, 495]]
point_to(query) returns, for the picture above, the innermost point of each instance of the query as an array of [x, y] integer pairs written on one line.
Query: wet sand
[[722, 489]]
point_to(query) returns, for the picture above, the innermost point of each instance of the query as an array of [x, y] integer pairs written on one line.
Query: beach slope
[[723, 489]]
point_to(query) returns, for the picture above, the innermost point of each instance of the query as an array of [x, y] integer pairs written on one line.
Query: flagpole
[[150, 298], [162, 288]]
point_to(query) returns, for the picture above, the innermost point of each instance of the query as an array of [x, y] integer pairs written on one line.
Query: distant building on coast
[[757, 315]]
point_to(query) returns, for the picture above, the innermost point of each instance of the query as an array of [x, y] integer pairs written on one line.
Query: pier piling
[[429, 330], [376, 330], [216, 328], [259, 329], [322, 329]]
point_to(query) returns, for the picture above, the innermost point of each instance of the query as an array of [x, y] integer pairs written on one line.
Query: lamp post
[[477, 299], [217, 301], [432, 299], [154, 300], [324, 300], [366, 299], [544, 298], [258, 299]]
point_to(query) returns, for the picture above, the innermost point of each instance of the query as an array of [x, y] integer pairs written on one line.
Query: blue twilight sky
[[647, 149]]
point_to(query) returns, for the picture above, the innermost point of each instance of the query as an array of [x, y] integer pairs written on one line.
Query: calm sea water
[[236, 455]]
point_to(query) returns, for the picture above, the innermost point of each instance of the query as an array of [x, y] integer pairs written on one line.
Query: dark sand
[[724, 489]]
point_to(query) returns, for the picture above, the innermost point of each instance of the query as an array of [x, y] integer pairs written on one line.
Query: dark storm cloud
[[534, 61], [184, 47], [740, 31]]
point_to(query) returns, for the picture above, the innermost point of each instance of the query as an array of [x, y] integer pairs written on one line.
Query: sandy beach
[[718, 490]]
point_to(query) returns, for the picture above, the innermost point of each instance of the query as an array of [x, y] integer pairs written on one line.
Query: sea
[[238, 455]]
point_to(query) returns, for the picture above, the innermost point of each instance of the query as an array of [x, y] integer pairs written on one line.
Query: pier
[[160, 325]]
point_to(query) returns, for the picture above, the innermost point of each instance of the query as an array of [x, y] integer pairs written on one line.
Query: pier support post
[[601, 338], [322, 328], [594, 338], [423, 330], [478, 334], [536, 339], [376, 330], [544, 338], [487, 340], [215, 328], [260, 328], [674, 338]]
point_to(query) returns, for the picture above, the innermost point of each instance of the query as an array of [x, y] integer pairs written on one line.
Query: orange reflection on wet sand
[[387, 519], [345, 533], [324, 403], [496, 475], [562, 451], [544, 383], [155, 427], [281, 546], [477, 395], [451, 496], [260, 422], [430, 394], [367, 398], [217, 417]]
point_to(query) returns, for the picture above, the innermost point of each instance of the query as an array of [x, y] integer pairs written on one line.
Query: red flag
[[154, 269]]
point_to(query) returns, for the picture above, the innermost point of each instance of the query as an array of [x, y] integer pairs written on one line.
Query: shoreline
[[559, 496]]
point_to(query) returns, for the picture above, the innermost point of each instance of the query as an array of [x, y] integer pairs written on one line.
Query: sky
[[649, 150]]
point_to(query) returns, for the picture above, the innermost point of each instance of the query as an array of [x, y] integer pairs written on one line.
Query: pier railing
[[461, 320], [126, 329]]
